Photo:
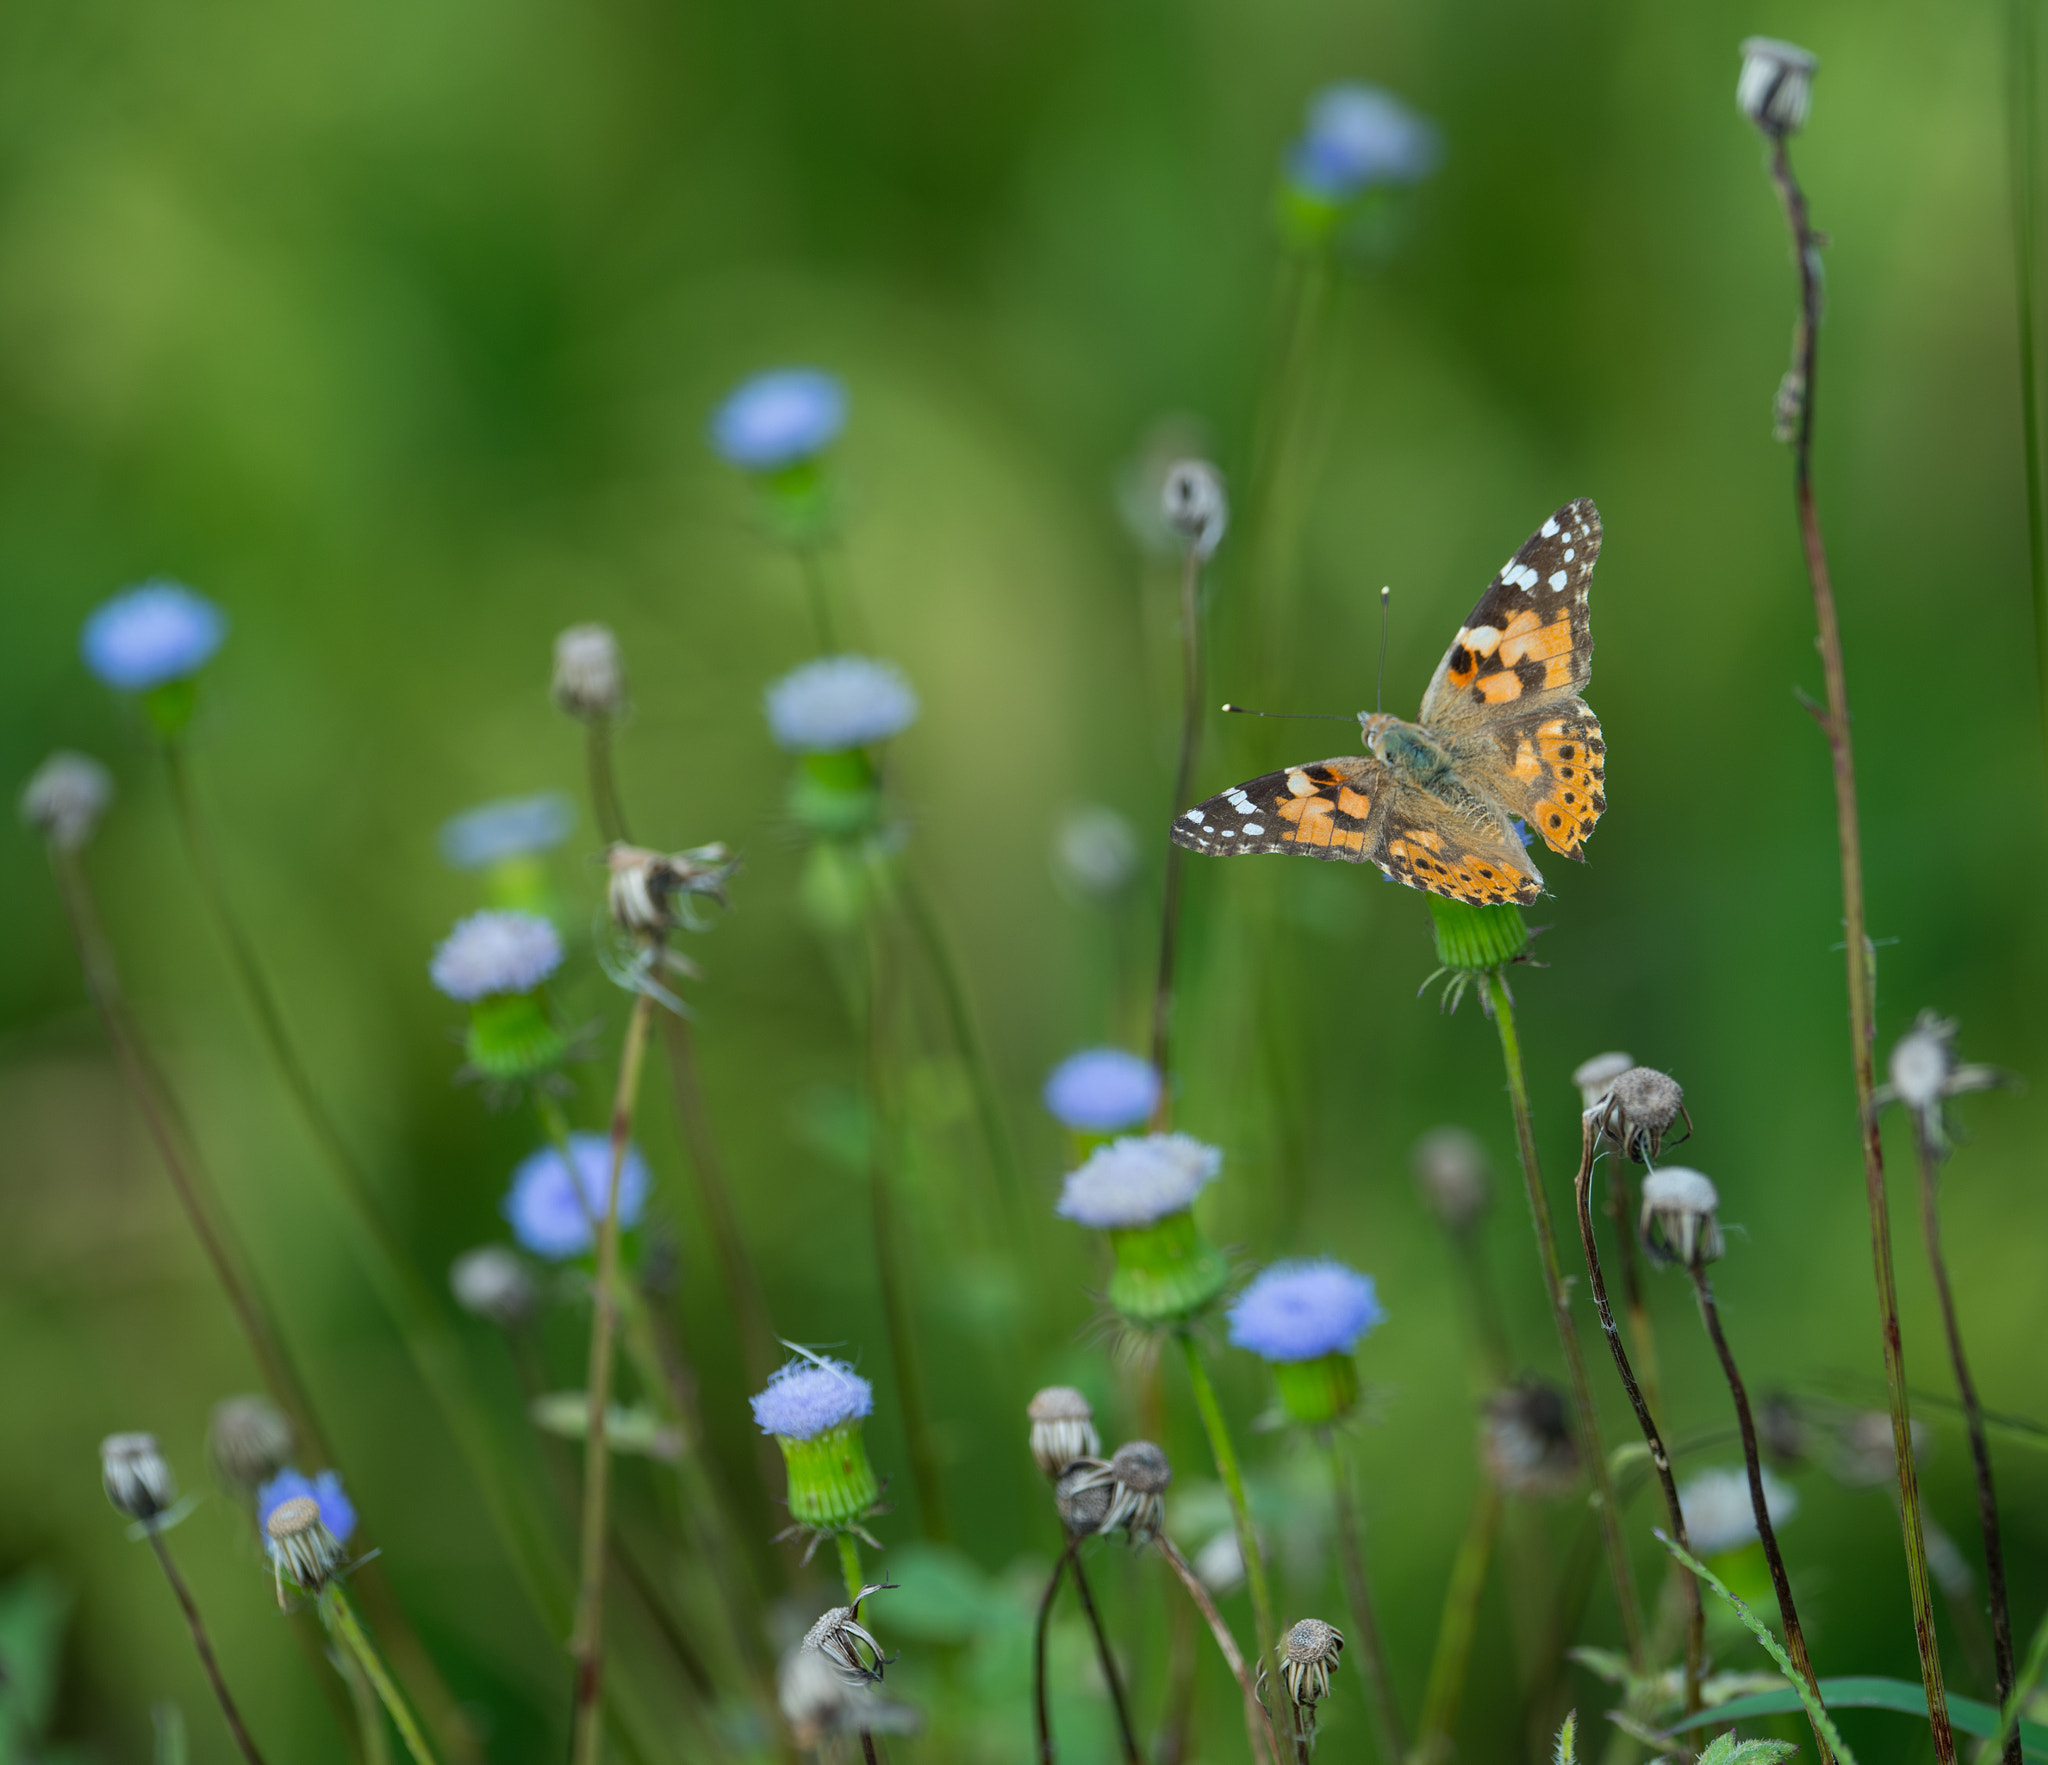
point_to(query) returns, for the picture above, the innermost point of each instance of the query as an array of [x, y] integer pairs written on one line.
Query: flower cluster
[[554, 1210]]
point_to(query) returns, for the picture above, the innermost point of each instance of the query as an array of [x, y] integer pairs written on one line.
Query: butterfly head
[[1374, 726]]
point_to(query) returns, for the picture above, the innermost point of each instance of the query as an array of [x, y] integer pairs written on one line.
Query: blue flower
[[495, 952], [1102, 1091], [840, 702], [1358, 137], [806, 1397], [1138, 1180], [159, 632], [1301, 1311], [543, 1206], [337, 1512], [513, 827], [780, 418]]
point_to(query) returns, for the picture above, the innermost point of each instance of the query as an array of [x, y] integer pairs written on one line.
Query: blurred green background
[[395, 328]]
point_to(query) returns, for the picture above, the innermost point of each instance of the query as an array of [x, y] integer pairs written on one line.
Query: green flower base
[[799, 503], [169, 707], [1472, 940], [511, 1037], [522, 885], [1165, 1272], [836, 794], [1318, 1392], [831, 1483]]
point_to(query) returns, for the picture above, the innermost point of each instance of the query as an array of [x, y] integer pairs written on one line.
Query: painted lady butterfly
[[1503, 734]]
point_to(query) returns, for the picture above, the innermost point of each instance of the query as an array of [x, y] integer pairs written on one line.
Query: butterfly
[[1503, 736]]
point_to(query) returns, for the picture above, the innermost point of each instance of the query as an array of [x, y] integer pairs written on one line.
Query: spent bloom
[[65, 798], [1637, 1110], [513, 827], [807, 1397], [1299, 1311], [1062, 1429], [1095, 852], [649, 893], [249, 1440], [1195, 505], [1308, 1655], [302, 1545], [495, 952], [152, 635], [1102, 1091], [1775, 88], [847, 1643], [1680, 1222], [337, 1512], [780, 418], [1134, 1481], [1358, 137], [1138, 1180], [839, 703], [553, 1211], [590, 677], [1451, 1170], [135, 1476], [493, 1282], [1924, 1073], [1526, 1439], [1594, 1076], [1719, 1515]]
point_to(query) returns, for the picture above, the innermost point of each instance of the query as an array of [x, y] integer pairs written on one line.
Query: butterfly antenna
[[1380, 685], [1319, 716]]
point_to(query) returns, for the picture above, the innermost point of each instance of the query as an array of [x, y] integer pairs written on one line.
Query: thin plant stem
[[1781, 1582], [370, 1724], [2022, 121], [349, 1633], [1445, 1689], [1183, 783], [1041, 1713], [1639, 1400], [586, 1645], [810, 557], [1834, 721], [1635, 1303], [1973, 1417], [1258, 1724], [849, 1565], [1590, 1449], [1225, 1455], [2023, 1688], [1379, 1678], [1107, 1659], [604, 785], [1490, 1334], [202, 1645]]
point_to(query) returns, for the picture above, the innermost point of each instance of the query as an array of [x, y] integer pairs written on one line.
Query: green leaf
[[1567, 1741], [171, 1746], [1966, 1715], [33, 1610], [1727, 1750]]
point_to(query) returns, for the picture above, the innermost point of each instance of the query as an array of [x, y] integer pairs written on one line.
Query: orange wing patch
[[1317, 820], [1573, 768], [1421, 858]]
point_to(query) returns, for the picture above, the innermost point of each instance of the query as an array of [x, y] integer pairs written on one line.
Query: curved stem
[[1258, 1725], [1674, 1515], [1225, 1455], [202, 1645], [1806, 245], [1379, 1679], [1980, 1443], [1107, 1658], [1183, 783], [605, 803], [1447, 1667], [2022, 66], [1781, 1582], [348, 1631], [1590, 1449], [1040, 1711], [586, 1644], [1620, 1212]]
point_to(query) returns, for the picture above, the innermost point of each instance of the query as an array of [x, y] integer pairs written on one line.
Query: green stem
[[348, 1631], [1446, 1686], [1225, 1456], [1183, 786], [2023, 1688], [2022, 125], [1590, 1449], [1806, 245], [849, 1565], [811, 562], [605, 803], [370, 1724], [586, 1646], [202, 1645], [1379, 1678]]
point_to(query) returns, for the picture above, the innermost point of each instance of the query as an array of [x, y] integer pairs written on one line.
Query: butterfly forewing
[[1324, 809]]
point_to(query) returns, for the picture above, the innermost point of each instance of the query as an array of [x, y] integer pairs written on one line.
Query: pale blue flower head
[[1719, 1514], [1102, 1091], [805, 1397], [1138, 1180], [1301, 1311], [780, 418], [546, 1212], [1357, 137], [495, 952], [838, 703], [150, 635], [337, 1512], [512, 827]]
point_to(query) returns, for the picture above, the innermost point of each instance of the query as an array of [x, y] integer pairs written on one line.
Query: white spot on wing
[[1252, 830], [1557, 580], [1550, 528], [1569, 554], [1194, 815]]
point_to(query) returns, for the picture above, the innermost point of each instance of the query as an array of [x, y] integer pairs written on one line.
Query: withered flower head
[[651, 893], [1679, 1217], [1527, 1440], [1062, 1429], [1308, 1656], [1637, 1109]]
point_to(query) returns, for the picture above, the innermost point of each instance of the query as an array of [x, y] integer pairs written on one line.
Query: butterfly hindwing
[[1556, 773], [1530, 638], [1323, 809], [1427, 844]]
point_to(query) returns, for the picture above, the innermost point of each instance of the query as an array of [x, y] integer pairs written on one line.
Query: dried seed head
[[1679, 1223], [1637, 1109], [590, 678], [1062, 1429], [1308, 1656], [1139, 1474], [493, 1282], [65, 798], [1924, 1073], [1082, 1494], [1775, 88], [302, 1550], [1594, 1076], [1527, 1440], [847, 1643], [249, 1440], [650, 893], [1195, 505], [137, 1480], [1452, 1169]]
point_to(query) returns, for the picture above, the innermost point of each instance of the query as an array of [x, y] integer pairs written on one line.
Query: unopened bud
[[590, 679], [65, 798], [1775, 88], [1062, 1429], [1196, 506], [249, 1440], [137, 1480], [1679, 1223], [1594, 1076]]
